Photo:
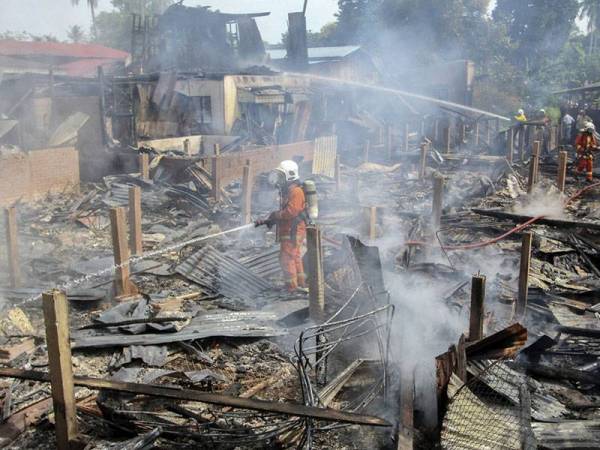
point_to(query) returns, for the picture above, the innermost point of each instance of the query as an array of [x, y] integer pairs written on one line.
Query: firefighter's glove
[[268, 222]]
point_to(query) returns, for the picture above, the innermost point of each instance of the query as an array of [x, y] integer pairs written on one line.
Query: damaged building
[[451, 266]]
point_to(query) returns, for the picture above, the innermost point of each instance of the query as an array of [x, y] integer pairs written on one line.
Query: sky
[[55, 16]]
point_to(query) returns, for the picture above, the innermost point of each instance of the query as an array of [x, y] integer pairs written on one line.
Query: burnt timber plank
[[290, 409]]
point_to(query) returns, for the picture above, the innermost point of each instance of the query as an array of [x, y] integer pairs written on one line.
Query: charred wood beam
[[586, 332], [542, 221], [503, 343], [290, 409], [562, 373]]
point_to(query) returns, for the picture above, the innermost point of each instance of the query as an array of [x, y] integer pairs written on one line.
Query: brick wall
[[29, 176]]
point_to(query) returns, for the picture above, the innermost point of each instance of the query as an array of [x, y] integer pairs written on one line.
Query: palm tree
[[92, 4], [590, 10]]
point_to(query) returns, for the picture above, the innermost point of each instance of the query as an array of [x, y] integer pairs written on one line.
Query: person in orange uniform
[[291, 223], [586, 144]]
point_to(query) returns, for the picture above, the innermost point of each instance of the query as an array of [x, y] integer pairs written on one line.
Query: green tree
[[113, 28], [76, 34], [590, 11], [538, 28]]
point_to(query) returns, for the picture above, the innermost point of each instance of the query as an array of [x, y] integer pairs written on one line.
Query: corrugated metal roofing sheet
[[221, 274]]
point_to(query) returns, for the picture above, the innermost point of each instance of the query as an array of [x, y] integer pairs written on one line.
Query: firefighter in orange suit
[[586, 144], [291, 222]]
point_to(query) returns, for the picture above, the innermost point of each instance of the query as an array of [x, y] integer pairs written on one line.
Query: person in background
[[520, 117], [567, 124], [546, 122], [586, 144], [582, 120]]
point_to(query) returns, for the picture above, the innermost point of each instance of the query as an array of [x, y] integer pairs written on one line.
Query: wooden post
[[423, 163], [521, 305], [407, 400], [366, 150], [462, 132], [389, 141], [217, 149], [216, 177], [488, 138], [12, 246], [438, 195], [436, 130], [533, 166], [373, 223], [247, 182], [56, 319], [510, 144], [338, 173], [120, 251], [477, 307], [527, 437], [522, 132], [562, 170], [316, 283], [406, 144], [447, 141], [187, 148], [135, 220], [461, 358], [422, 130], [144, 165], [477, 133]]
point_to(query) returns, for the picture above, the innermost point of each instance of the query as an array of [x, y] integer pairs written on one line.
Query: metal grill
[[351, 344], [489, 412]]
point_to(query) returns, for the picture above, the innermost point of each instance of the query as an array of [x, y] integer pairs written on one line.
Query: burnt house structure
[[196, 38]]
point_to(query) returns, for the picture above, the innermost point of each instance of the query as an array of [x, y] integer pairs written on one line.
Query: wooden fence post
[[247, 182], [56, 319], [521, 306], [510, 144], [216, 177], [316, 282], [389, 138], [423, 161], [144, 165], [12, 246], [533, 167], [406, 144], [123, 286], [438, 197], [135, 220], [562, 170], [477, 307]]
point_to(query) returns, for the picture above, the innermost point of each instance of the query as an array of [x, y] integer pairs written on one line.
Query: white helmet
[[520, 112], [590, 127], [285, 172], [289, 169]]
